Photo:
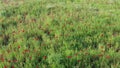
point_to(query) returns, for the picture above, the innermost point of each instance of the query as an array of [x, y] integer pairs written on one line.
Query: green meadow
[[60, 34]]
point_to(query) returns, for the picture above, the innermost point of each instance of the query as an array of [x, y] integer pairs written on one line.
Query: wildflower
[[30, 57], [26, 50], [69, 56], [45, 57], [107, 57], [5, 66], [12, 66], [2, 59], [19, 47], [23, 30], [78, 61], [9, 61], [14, 60]]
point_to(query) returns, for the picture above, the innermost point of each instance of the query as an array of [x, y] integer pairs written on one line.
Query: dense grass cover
[[60, 34]]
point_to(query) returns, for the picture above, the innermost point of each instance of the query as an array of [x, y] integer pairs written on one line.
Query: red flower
[[9, 61], [5, 66], [14, 60], [23, 30], [78, 61], [44, 57], [26, 50], [18, 47], [2, 59], [12, 66], [107, 57], [69, 56]]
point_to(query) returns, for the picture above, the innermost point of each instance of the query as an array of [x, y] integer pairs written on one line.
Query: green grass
[[60, 34]]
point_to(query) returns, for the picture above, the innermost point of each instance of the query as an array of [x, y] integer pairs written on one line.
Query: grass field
[[60, 34]]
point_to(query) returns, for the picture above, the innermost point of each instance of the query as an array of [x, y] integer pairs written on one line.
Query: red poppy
[[23, 30], [107, 57], [14, 60], [9, 61], [30, 57], [78, 61], [5, 66], [69, 56], [18, 46], [12, 66], [44, 57], [2, 59], [26, 50]]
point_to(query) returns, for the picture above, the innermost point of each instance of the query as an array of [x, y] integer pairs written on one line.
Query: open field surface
[[60, 34]]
